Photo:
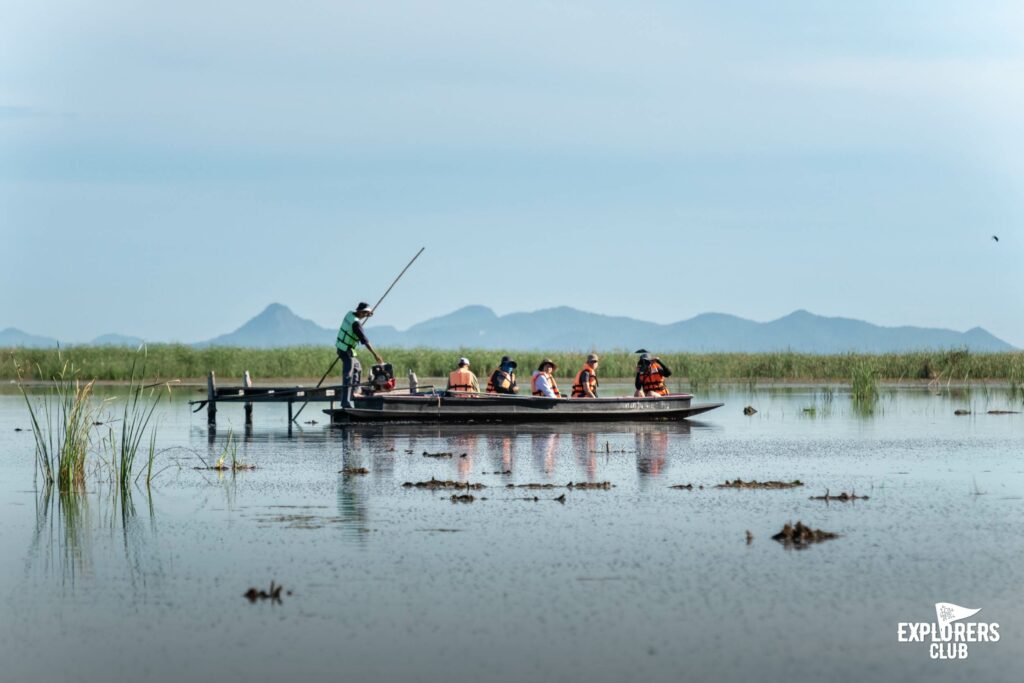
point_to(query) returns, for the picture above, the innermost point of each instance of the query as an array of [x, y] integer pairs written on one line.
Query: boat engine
[[382, 378]]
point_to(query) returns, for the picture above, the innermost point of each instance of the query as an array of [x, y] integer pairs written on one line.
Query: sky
[[169, 169]]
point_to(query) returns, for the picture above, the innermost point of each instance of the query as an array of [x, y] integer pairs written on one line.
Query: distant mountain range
[[12, 337], [568, 329]]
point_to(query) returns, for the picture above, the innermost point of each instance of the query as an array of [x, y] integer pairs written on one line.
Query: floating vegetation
[[687, 487], [300, 521], [961, 411], [503, 472], [740, 484], [749, 410], [354, 470], [444, 454], [750, 537], [274, 594], [578, 485], [438, 484], [1003, 412], [463, 498], [800, 536], [842, 497], [228, 460]]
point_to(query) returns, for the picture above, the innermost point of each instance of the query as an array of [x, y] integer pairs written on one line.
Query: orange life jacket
[[460, 380], [538, 392], [652, 380], [580, 391], [506, 380]]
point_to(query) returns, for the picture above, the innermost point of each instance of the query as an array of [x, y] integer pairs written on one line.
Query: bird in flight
[[995, 237]]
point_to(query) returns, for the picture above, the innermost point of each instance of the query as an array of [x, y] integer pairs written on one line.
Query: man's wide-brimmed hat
[[506, 360], [547, 361], [364, 307]]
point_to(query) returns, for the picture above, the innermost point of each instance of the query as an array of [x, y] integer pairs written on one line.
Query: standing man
[[503, 380], [543, 382], [462, 378], [351, 335], [585, 385], [650, 375]]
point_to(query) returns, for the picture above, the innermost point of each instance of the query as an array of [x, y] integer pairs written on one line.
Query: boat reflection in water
[[582, 449]]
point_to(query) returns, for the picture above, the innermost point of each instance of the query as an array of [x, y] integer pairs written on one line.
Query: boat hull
[[491, 408]]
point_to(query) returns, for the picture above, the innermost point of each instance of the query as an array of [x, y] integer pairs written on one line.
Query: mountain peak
[[276, 325], [276, 309]]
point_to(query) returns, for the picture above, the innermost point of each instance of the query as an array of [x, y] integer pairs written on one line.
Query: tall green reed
[[62, 420], [864, 383], [136, 418]]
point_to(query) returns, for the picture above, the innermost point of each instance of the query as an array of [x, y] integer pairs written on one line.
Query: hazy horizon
[[375, 322], [166, 171]]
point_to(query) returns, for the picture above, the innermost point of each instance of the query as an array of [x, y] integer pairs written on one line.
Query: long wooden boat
[[438, 407]]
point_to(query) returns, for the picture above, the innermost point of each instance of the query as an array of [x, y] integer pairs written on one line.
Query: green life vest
[[347, 339]]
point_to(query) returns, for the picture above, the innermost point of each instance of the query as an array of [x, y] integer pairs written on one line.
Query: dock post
[[290, 418], [247, 383], [211, 401]]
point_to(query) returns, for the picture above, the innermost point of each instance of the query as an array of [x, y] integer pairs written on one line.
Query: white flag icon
[[947, 612]]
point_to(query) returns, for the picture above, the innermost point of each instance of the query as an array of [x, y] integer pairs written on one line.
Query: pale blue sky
[[167, 171]]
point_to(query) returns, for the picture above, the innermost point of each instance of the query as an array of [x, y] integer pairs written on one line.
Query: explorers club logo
[[949, 636]]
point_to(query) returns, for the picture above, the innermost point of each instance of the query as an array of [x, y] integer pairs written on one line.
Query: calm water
[[639, 582]]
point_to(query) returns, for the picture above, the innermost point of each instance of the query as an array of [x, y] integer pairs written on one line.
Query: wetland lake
[[638, 581]]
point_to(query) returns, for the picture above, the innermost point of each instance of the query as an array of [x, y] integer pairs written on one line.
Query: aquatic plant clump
[[800, 536], [434, 484], [136, 419], [753, 484], [62, 421], [864, 383], [842, 497]]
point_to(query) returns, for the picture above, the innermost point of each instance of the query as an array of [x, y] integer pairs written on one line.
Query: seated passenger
[[650, 376], [462, 379], [585, 385], [543, 382], [503, 380]]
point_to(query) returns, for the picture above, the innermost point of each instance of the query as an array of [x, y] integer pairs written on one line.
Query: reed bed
[[700, 369]]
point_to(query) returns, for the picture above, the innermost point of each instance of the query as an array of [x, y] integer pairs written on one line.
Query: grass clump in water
[[864, 383], [136, 417], [62, 420]]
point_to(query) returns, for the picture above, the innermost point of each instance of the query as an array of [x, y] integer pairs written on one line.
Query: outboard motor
[[382, 378]]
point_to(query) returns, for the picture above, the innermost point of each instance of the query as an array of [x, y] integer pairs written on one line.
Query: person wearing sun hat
[[651, 372], [503, 380], [543, 381], [462, 379]]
